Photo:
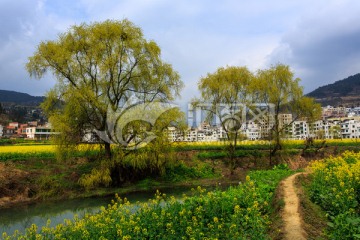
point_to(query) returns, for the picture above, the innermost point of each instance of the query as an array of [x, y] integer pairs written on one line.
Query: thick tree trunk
[[276, 148], [107, 150]]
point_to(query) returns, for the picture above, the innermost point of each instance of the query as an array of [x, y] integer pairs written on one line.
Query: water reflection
[[20, 218]]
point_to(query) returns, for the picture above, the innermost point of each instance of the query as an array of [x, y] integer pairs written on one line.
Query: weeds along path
[[292, 219]]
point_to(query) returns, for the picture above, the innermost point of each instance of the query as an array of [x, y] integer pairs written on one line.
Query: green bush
[[335, 187], [180, 172]]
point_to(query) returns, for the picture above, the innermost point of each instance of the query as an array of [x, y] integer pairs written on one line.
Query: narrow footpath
[[292, 219]]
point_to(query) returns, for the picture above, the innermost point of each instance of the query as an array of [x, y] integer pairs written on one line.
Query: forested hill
[[19, 98], [344, 92]]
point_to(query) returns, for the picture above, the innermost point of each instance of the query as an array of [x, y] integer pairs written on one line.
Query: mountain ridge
[[345, 92], [8, 96]]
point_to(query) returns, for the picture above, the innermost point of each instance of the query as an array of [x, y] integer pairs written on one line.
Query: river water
[[20, 218]]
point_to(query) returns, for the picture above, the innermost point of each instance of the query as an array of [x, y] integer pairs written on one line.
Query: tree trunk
[[107, 150], [276, 148]]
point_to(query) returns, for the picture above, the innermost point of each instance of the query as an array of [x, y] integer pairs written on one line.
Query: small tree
[[225, 94], [278, 88]]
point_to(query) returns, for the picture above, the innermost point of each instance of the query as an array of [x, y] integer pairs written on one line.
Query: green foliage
[[180, 172], [278, 87], [99, 67], [97, 177], [151, 160], [282, 166], [344, 226], [49, 186], [223, 154], [26, 155], [240, 212], [336, 188], [232, 86]]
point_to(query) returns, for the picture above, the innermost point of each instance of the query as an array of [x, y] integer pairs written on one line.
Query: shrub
[[336, 188], [241, 212]]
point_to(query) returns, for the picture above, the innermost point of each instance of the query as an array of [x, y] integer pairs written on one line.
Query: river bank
[[37, 180], [32, 180]]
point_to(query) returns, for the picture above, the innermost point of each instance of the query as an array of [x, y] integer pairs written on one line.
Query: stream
[[22, 217]]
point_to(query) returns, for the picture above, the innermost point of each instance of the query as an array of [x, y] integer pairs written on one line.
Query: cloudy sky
[[320, 39]]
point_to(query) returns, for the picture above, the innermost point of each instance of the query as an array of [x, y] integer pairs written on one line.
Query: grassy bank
[[31, 172], [239, 212]]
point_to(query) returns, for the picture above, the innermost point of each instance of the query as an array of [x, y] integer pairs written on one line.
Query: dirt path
[[292, 220]]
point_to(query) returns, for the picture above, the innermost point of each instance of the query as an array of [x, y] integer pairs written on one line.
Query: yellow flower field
[[14, 152], [27, 148], [336, 188]]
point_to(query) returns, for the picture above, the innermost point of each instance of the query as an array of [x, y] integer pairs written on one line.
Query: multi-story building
[[350, 128], [39, 132], [21, 131], [299, 130], [251, 131], [14, 125], [9, 131], [334, 124], [333, 112]]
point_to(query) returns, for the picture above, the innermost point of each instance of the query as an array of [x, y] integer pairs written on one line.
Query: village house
[[39, 132]]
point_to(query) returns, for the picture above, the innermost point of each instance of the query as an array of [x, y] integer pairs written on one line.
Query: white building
[[328, 128], [251, 130], [298, 130], [204, 133], [39, 132], [350, 128], [1, 130]]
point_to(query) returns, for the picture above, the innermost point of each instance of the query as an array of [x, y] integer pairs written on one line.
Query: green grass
[[240, 212], [223, 154]]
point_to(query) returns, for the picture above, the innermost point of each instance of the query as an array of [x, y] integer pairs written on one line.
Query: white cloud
[[318, 39], [323, 47]]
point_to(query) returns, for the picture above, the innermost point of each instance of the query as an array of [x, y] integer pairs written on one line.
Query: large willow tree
[[100, 68]]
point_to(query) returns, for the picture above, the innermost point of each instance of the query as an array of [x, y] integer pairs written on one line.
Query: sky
[[319, 40]]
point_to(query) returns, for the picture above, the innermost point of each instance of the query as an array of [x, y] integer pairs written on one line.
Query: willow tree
[[226, 94], [278, 89], [100, 68]]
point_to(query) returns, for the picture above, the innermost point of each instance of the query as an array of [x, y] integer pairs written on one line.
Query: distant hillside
[[19, 98], [344, 92]]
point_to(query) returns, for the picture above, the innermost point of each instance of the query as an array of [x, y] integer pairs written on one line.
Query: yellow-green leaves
[[227, 85], [278, 86], [99, 66]]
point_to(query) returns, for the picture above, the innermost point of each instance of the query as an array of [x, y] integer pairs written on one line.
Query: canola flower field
[[336, 188], [23, 152], [241, 212], [28, 151], [260, 144]]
